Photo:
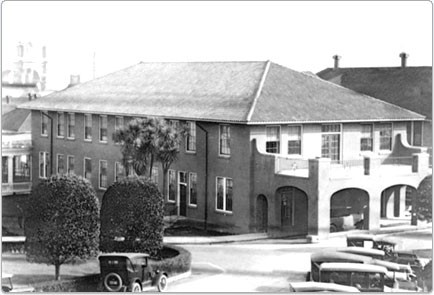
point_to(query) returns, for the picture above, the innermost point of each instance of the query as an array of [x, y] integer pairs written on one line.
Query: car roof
[[367, 237], [128, 255], [333, 256], [320, 286], [388, 264], [362, 251], [356, 267]]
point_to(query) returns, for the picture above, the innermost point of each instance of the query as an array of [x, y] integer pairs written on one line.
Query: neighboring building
[[283, 148], [404, 86]]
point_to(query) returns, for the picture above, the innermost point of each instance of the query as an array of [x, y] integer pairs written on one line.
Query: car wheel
[[136, 287], [162, 282], [333, 228], [113, 282]]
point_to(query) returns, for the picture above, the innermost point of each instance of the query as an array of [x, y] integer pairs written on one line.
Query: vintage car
[[365, 277], [373, 253], [320, 287], [130, 272], [7, 285]]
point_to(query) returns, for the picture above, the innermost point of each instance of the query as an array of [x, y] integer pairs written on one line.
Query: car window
[[129, 265], [360, 280]]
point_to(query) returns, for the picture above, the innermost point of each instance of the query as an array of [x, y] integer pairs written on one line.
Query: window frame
[[168, 186], [58, 156], [225, 185], [44, 119], [68, 124], [190, 178], [45, 162], [87, 119], [84, 168], [279, 139], [380, 129], [5, 169], [339, 133], [121, 118], [300, 140], [227, 140], [68, 164], [116, 171], [191, 139], [25, 171], [155, 175], [60, 124], [364, 137], [101, 119], [100, 175]]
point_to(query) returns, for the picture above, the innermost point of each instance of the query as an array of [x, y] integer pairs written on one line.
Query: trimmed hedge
[[132, 209], [82, 284], [175, 260]]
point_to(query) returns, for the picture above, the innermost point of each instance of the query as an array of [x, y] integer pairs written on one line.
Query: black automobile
[[129, 272]]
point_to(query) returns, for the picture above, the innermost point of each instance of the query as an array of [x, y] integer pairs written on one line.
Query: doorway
[[262, 213]]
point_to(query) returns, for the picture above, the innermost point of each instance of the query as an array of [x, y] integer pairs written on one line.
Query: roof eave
[[333, 121]]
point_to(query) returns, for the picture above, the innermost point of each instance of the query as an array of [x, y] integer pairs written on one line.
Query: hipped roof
[[239, 92]]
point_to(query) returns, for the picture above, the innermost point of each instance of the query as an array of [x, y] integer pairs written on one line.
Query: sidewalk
[[389, 226]]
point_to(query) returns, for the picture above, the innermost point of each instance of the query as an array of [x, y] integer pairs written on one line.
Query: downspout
[[206, 176]]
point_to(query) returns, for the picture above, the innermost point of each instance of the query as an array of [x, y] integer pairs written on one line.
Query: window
[[60, 125], [5, 170], [88, 127], [224, 194], [43, 164], [87, 168], [225, 140], [154, 174], [172, 186], [191, 136], [119, 171], [70, 163], [21, 168], [175, 125], [103, 128], [417, 133], [294, 140], [385, 136], [366, 140], [103, 174], [193, 189], [70, 119], [119, 124], [60, 164], [44, 124], [331, 141], [272, 144]]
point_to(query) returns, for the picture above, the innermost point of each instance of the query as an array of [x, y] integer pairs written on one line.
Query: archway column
[[373, 221]]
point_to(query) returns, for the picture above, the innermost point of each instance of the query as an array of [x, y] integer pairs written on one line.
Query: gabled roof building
[[269, 149]]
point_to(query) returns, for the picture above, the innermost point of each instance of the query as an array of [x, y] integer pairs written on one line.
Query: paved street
[[264, 266]]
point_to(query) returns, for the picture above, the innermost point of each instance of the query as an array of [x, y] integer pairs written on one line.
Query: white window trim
[[99, 175], [84, 127], [392, 142], [67, 125], [57, 164], [84, 167], [178, 193], [168, 185], [195, 139], [119, 127], [189, 190], [115, 174], [341, 139], [67, 163], [280, 139], [42, 121], [219, 147], [224, 195], [373, 139], [295, 156], [44, 156], [99, 129], [57, 120]]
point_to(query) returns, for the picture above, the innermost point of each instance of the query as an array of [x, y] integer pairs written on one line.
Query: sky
[[97, 38]]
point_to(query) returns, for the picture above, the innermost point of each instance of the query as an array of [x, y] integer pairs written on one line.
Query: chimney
[[336, 58], [403, 57], [74, 80]]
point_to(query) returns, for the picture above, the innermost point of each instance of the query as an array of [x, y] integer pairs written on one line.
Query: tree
[[132, 214], [423, 200], [144, 141], [62, 221]]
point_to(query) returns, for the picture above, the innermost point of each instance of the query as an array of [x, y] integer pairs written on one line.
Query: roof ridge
[[365, 95], [258, 90]]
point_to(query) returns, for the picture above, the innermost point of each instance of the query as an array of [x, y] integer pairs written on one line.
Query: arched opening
[[396, 201], [262, 213], [293, 210], [349, 209]]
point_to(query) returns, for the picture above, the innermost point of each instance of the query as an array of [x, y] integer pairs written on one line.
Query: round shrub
[[174, 260], [62, 221], [132, 214]]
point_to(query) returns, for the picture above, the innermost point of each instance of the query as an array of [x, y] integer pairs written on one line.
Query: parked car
[[320, 287], [130, 272], [7, 285], [373, 253]]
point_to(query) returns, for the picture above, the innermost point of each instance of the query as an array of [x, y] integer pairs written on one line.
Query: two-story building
[[269, 148]]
